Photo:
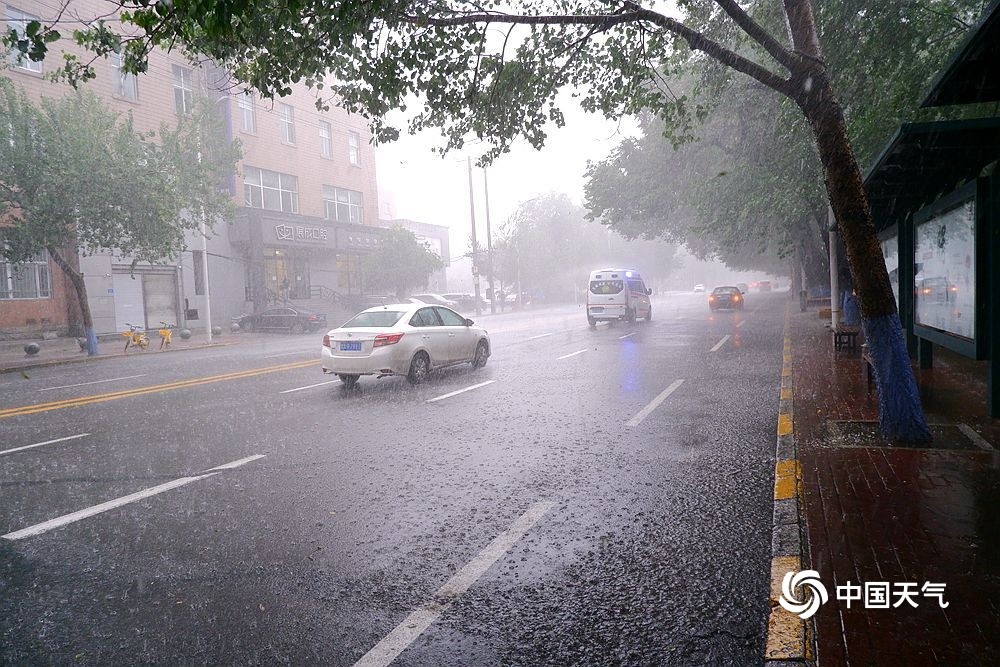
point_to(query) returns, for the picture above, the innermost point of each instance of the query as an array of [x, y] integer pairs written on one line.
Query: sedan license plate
[[597, 309], [350, 346]]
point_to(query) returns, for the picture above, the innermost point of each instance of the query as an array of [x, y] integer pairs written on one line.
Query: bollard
[[31, 349], [185, 334]]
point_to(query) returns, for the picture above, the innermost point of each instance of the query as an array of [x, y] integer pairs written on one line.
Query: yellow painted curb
[[784, 424], [785, 630], [786, 478]]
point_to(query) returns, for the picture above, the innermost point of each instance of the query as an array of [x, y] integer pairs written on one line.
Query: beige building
[[305, 191]]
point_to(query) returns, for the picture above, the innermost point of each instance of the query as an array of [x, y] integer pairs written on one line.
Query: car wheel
[[420, 367], [482, 354], [591, 321], [649, 314], [348, 380], [630, 316]]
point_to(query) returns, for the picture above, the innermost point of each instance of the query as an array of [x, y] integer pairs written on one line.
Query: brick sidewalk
[[877, 513]]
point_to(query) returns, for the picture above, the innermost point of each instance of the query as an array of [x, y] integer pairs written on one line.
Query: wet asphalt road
[[564, 535]]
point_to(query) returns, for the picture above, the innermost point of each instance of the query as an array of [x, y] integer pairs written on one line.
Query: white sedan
[[407, 339]]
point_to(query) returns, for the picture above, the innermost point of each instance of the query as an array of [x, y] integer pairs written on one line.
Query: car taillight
[[711, 297], [736, 297], [326, 340], [382, 340]]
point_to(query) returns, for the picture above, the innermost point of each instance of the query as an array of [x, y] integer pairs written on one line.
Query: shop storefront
[[293, 257]]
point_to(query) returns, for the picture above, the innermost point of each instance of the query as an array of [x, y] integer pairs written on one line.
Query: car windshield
[[374, 319], [725, 290]]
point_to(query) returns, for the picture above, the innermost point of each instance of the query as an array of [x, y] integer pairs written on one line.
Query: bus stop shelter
[[934, 192]]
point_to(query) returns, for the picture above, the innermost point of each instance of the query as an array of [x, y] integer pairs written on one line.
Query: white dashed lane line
[[404, 634], [459, 391], [719, 345], [47, 442], [308, 386], [73, 517], [653, 404], [571, 354], [84, 384], [539, 336]]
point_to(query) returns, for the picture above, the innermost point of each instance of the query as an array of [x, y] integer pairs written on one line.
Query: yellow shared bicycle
[[166, 334], [135, 336]]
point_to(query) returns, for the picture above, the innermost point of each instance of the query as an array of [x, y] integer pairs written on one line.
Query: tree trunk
[[80, 286], [901, 416]]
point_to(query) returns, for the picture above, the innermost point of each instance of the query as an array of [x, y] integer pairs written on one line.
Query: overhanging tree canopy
[[477, 75]]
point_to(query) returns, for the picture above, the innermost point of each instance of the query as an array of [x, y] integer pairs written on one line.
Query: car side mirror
[[468, 322], [649, 291]]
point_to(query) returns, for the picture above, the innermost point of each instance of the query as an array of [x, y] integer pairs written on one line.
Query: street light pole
[[489, 246], [475, 243]]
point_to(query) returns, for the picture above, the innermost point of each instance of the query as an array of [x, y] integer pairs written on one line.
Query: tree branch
[[758, 33], [695, 40]]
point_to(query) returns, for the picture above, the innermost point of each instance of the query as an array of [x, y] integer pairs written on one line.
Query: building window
[[124, 82], [27, 280], [18, 22], [248, 113], [325, 139], [270, 190], [183, 90], [354, 148], [287, 119], [342, 205]]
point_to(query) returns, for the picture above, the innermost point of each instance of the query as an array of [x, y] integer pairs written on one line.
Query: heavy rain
[[499, 333]]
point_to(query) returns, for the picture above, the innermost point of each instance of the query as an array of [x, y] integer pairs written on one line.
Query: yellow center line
[[153, 389]]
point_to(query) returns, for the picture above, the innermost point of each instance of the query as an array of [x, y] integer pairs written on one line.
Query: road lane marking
[[627, 335], [740, 323], [288, 354], [101, 398], [404, 634], [571, 354], [73, 517], [235, 464], [47, 442], [539, 336], [310, 386], [977, 440], [720, 343], [653, 404], [83, 384], [460, 391]]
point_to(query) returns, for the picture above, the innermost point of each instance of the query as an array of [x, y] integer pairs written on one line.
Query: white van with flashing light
[[617, 294]]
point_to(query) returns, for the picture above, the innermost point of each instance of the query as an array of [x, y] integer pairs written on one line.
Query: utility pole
[[475, 243], [489, 246], [203, 231]]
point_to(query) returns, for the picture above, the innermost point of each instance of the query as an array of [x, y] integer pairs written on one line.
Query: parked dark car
[[725, 297], [283, 318], [465, 301]]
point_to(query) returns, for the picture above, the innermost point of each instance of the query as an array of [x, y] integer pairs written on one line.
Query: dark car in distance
[[727, 296], [291, 319]]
